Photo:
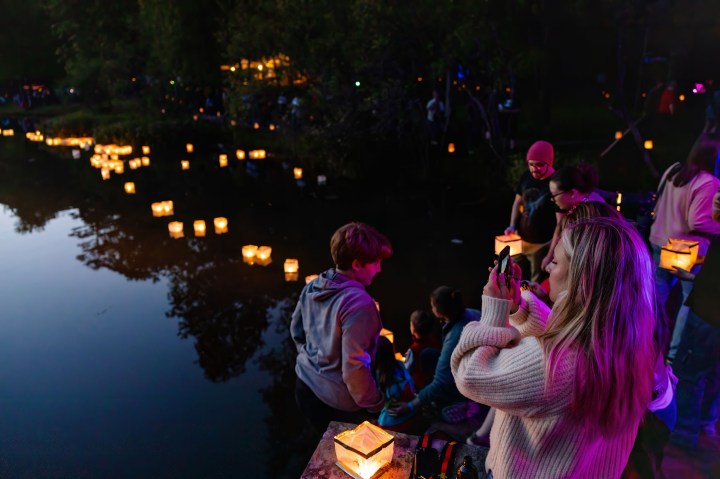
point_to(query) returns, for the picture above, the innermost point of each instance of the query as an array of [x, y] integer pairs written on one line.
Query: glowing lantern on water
[[256, 125], [222, 161], [681, 98], [291, 265], [263, 253], [451, 147], [189, 147], [185, 164], [199, 227], [240, 154], [388, 334], [145, 161], [258, 154], [146, 150], [162, 208], [221, 225], [176, 229], [271, 127], [297, 173], [130, 188], [248, 252], [648, 145], [515, 242], [119, 167], [134, 164], [310, 277], [680, 253], [618, 135], [105, 173], [363, 451], [8, 132]]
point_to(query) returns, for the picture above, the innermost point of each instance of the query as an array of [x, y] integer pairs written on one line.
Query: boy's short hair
[[423, 322], [358, 241]]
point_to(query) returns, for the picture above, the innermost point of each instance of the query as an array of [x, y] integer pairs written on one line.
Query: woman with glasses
[[570, 186]]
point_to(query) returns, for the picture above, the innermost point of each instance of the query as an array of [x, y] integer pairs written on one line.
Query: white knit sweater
[[533, 435]]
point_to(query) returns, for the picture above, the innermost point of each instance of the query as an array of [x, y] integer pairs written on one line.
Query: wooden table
[[322, 463]]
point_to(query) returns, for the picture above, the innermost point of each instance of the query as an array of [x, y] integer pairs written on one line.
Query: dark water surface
[[127, 354]]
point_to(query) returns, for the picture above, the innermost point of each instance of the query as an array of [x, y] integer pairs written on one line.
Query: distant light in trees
[[172, 82], [357, 83], [419, 78], [681, 98]]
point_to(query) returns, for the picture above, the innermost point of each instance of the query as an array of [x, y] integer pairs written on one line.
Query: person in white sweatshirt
[[568, 400]]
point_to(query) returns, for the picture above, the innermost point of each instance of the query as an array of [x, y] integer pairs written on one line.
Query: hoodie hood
[[330, 283]]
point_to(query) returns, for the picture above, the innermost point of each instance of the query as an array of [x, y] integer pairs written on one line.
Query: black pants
[[320, 414]]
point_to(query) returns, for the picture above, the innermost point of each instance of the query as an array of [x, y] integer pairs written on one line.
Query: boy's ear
[[356, 264]]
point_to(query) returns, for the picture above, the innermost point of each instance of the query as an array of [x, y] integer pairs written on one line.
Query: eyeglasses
[[552, 197]]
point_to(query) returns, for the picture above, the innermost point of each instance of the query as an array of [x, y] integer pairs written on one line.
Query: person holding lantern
[[533, 214], [335, 327], [683, 211], [551, 419]]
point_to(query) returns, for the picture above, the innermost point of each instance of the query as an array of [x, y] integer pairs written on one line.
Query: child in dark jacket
[[395, 384], [424, 351]]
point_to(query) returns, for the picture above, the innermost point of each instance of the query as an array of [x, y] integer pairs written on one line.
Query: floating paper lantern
[[146, 150], [240, 154], [258, 154], [130, 188], [515, 242], [291, 265], [189, 147], [297, 173], [199, 227], [119, 167], [648, 145], [185, 164], [263, 253], [290, 277], [145, 161], [222, 161], [271, 127], [221, 225], [451, 147], [363, 451], [248, 252], [105, 173], [256, 126], [162, 208], [618, 135], [679, 253], [134, 164], [176, 229], [8, 132]]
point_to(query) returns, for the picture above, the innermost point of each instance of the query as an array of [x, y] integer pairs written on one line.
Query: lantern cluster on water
[[253, 254]]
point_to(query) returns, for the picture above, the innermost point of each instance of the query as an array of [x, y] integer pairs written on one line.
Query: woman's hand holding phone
[[504, 285]]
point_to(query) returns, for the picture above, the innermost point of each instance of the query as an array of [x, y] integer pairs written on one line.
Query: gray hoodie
[[335, 327]]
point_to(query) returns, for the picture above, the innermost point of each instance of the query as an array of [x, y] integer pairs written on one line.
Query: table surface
[[322, 463]]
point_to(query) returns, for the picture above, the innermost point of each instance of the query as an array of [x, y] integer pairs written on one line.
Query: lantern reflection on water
[[176, 229], [515, 242], [363, 451], [130, 188], [221, 225], [679, 253], [199, 227]]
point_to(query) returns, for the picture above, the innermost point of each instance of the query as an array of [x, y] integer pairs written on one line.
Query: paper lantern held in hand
[[363, 451], [679, 253], [515, 242]]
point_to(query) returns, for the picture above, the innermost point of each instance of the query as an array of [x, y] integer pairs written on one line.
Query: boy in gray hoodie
[[335, 328]]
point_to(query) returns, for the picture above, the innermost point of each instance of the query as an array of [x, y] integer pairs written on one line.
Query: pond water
[[126, 353]]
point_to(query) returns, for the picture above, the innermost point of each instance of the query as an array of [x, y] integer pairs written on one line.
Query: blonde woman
[[568, 401]]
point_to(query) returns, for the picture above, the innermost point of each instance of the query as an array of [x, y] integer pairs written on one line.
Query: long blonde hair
[[608, 315]]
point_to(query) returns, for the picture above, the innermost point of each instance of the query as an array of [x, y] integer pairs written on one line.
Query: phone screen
[[503, 261]]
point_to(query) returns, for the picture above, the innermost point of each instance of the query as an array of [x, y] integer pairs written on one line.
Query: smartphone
[[503, 262]]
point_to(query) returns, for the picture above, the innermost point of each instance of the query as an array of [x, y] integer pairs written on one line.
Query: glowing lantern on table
[[189, 147], [258, 154], [451, 147], [248, 252], [199, 227], [176, 229], [222, 161], [680, 253], [221, 225], [388, 334], [363, 451], [648, 145], [185, 164], [297, 173], [291, 265], [618, 135], [240, 154], [515, 242], [146, 150], [145, 161], [310, 277], [105, 173], [130, 188]]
